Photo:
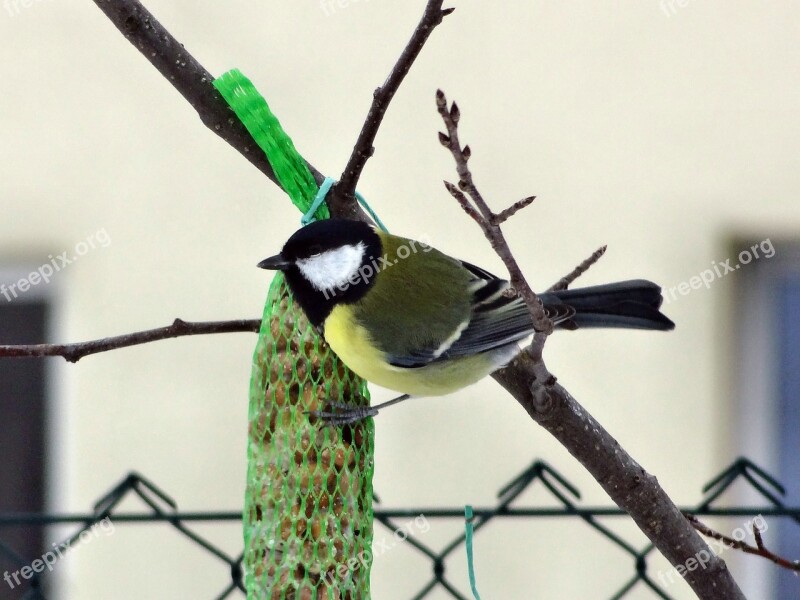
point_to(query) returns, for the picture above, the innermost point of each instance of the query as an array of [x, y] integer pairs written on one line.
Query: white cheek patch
[[334, 268]]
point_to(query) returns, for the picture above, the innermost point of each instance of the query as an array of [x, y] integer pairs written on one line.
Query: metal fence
[[162, 509]]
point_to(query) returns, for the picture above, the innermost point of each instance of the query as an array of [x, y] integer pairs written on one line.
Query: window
[[23, 406], [766, 388], [788, 365]]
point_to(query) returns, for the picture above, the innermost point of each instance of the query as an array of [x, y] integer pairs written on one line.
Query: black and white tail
[[630, 304]]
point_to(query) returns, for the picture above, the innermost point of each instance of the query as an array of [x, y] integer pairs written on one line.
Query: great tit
[[407, 317]]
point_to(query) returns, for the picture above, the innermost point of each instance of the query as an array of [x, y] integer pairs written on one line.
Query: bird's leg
[[346, 414]]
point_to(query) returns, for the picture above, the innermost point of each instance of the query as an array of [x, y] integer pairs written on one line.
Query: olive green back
[[422, 286]]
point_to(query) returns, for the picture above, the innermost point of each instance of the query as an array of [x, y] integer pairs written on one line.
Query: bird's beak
[[274, 263]]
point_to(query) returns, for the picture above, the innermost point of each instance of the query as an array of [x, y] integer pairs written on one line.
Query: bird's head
[[323, 264]]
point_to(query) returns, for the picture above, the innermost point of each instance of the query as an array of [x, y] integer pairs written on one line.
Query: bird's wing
[[416, 305], [497, 318]]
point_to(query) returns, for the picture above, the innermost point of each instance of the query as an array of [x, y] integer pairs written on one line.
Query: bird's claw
[[344, 414]]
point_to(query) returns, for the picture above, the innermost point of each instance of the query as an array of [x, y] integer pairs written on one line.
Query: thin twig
[[759, 549], [179, 328], [506, 214], [364, 149], [565, 281], [464, 202], [488, 220]]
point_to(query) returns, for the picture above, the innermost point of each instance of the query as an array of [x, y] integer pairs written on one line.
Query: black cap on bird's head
[[322, 262], [319, 237]]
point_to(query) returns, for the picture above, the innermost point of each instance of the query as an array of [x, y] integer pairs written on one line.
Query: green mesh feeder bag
[[308, 506], [308, 500]]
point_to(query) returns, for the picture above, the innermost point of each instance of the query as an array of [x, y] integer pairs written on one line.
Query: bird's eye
[[315, 250]]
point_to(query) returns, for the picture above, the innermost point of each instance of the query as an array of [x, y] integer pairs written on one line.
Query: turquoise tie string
[[468, 516], [309, 216]]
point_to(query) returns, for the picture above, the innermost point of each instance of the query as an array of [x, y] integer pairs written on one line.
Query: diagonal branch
[[179, 328], [364, 149]]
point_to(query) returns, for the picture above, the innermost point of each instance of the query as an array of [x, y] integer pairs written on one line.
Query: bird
[[407, 317]]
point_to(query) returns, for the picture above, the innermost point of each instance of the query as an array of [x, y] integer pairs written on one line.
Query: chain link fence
[[161, 509]]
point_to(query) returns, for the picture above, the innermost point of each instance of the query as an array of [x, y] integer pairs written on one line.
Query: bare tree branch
[[364, 149], [549, 404], [565, 281], [759, 549], [179, 328]]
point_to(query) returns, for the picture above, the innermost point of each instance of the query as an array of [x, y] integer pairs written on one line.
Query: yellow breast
[[353, 344]]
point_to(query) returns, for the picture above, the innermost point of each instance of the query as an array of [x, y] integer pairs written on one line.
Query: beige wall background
[[664, 130]]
